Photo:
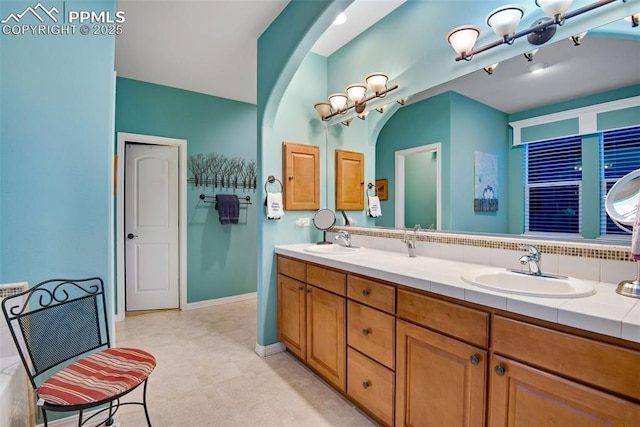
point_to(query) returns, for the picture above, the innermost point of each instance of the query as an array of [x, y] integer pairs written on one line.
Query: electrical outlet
[[303, 222]]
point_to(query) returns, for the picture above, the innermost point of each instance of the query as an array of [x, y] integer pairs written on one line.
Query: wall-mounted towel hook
[[270, 180]]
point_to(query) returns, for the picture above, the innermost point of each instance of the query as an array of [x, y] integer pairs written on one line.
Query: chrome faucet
[[346, 238], [532, 259]]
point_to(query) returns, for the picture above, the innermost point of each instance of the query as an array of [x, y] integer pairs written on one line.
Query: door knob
[[131, 236]]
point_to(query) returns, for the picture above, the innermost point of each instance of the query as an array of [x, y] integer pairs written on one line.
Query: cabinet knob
[[300, 288], [475, 359], [366, 292], [308, 290], [365, 331], [290, 177], [500, 370], [365, 384]]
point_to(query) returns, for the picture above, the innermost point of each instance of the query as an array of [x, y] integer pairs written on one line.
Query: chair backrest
[[56, 321]]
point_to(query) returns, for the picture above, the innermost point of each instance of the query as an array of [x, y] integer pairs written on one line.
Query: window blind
[[553, 186], [621, 155]]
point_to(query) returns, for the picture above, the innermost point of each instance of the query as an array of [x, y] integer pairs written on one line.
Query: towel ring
[[270, 180], [369, 187]]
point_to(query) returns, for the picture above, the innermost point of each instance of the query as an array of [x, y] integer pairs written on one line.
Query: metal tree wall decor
[[217, 170]]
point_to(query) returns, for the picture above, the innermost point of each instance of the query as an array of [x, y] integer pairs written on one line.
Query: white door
[[151, 227]]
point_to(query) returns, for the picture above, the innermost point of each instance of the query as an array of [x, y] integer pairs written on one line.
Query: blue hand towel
[[228, 207]]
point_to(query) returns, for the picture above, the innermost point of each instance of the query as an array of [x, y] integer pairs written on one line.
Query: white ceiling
[[210, 46]]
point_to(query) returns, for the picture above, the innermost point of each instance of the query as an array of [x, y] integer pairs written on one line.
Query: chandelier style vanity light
[[504, 22], [338, 103]]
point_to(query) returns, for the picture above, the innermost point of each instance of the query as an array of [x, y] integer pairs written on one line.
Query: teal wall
[[56, 154], [462, 126], [285, 113], [221, 261]]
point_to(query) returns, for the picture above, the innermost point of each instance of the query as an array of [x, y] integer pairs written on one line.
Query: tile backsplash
[[610, 263]]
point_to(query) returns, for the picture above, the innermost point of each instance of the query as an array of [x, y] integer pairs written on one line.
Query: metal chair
[[61, 332]]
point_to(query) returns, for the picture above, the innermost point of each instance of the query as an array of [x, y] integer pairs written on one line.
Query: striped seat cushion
[[98, 377]]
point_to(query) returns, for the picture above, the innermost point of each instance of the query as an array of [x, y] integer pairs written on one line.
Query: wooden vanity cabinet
[[312, 317], [371, 346], [540, 376], [411, 358], [521, 395], [440, 379]]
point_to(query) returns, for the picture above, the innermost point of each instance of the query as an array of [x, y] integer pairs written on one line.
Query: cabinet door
[[440, 381], [301, 176], [349, 180], [326, 335], [291, 315], [520, 395]]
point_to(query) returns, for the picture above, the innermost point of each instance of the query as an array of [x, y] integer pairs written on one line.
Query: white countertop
[[605, 312]]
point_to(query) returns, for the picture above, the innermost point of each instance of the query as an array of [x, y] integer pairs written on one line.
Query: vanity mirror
[[324, 220], [559, 74]]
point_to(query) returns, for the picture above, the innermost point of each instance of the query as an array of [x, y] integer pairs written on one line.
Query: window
[[621, 155], [553, 183]]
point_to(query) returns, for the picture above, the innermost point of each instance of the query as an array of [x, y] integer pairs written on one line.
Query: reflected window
[[620, 155], [553, 172]]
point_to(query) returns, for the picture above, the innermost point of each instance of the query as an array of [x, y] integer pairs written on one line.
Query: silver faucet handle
[[533, 251]]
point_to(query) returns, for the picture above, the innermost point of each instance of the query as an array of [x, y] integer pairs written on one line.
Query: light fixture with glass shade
[[462, 40], [634, 19], [339, 103], [504, 22], [489, 68], [554, 8], [577, 38]]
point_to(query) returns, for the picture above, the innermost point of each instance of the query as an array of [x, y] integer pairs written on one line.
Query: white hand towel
[[635, 237], [374, 206], [274, 205]]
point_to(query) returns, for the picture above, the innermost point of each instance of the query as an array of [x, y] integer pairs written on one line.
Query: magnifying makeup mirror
[[621, 204], [324, 220]]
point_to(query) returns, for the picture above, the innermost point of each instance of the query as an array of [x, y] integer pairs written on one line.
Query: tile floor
[[209, 375]]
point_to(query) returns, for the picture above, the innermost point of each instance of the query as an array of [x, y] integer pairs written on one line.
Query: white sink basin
[[332, 249], [512, 282]]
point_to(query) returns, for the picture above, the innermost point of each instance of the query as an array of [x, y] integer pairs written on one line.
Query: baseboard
[[220, 301], [264, 351]]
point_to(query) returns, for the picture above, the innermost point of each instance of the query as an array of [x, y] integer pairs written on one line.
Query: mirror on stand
[[324, 220], [621, 205]]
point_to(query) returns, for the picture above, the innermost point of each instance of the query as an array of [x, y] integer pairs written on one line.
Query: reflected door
[[151, 227]]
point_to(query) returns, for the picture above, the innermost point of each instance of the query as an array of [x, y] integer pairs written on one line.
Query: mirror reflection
[[472, 114]]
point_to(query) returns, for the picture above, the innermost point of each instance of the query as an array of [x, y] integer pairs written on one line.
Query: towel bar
[[243, 200], [369, 187]]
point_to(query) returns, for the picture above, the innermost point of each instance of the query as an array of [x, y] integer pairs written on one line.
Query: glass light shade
[[552, 8], [504, 20], [338, 101], [356, 92], [463, 38], [632, 18], [377, 81], [323, 109]]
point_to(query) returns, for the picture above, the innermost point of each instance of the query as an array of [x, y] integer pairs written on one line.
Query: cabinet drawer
[[330, 280], [372, 332], [461, 322], [611, 367], [371, 385], [292, 268], [378, 295]]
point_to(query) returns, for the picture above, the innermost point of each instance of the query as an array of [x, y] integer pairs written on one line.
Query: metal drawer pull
[[475, 359], [365, 384], [366, 331], [500, 370], [366, 292]]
